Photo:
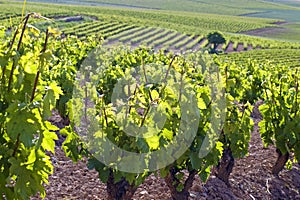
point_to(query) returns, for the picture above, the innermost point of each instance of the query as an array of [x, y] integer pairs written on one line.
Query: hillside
[[295, 3], [229, 7], [287, 12]]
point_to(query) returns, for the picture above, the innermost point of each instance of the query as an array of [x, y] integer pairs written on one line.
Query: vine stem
[[145, 114], [38, 72], [145, 75], [173, 183], [164, 81], [134, 93], [35, 85], [18, 48], [169, 68], [181, 84], [16, 146], [14, 38], [149, 93], [104, 111], [3, 75], [226, 78], [167, 74]]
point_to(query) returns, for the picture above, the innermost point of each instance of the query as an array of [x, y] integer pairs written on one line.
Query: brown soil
[[240, 47], [280, 22], [73, 18], [251, 179], [265, 31], [229, 47], [220, 47], [250, 47]]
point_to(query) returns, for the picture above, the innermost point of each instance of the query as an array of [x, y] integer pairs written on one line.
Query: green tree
[[216, 38]]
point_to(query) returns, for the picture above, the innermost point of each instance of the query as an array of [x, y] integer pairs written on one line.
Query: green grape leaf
[[201, 104], [153, 142], [49, 104], [164, 172], [195, 160], [204, 174], [94, 163], [31, 158], [56, 89], [167, 134], [48, 142], [23, 124], [180, 187], [297, 151], [71, 144]]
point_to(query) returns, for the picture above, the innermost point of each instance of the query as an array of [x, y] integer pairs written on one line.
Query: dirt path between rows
[[265, 31]]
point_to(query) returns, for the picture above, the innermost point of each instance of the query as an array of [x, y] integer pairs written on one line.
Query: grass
[[286, 15], [291, 32]]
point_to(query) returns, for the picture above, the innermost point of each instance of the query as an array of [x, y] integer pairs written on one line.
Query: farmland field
[[184, 22], [217, 7], [130, 99]]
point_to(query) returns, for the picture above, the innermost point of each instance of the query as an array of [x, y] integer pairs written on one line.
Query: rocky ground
[[251, 179]]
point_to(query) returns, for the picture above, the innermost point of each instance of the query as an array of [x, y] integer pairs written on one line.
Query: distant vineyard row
[[154, 37], [288, 57], [184, 22], [159, 38]]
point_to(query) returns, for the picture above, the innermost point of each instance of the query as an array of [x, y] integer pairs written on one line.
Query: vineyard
[[115, 22], [122, 105], [223, 8], [288, 57]]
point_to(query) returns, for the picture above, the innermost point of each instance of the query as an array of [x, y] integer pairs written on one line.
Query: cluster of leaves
[[68, 54], [131, 88], [277, 86], [281, 116], [242, 90], [286, 57], [25, 104], [33, 77]]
